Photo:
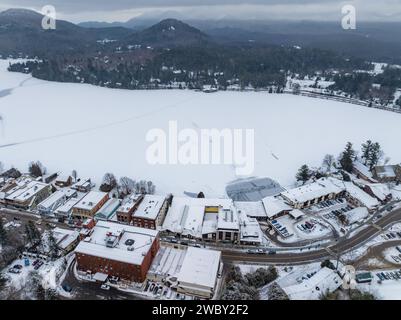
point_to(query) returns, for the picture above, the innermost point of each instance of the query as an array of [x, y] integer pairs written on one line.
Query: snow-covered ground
[[96, 130]]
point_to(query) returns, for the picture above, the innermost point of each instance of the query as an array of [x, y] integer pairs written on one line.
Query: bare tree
[[127, 185], [1, 167], [109, 182], [37, 169], [328, 162]]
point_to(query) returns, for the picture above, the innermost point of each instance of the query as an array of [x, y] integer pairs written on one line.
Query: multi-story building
[[89, 205], [151, 212], [117, 250], [128, 207]]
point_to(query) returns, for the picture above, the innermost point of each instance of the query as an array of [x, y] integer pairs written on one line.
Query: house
[[313, 193], [388, 173], [359, 198], [108, 209], [63, 181], [117, 250], [89, 205], [380, 191], [128, 207], [362, 171], [199, 273], [275, 207], [151, 212], [83, 185], [66, 239]]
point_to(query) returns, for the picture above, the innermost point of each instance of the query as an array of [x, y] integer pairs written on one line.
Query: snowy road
[[342, 246]]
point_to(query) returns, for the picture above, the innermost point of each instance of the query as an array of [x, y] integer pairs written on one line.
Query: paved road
[[343, 245], [92, 291]]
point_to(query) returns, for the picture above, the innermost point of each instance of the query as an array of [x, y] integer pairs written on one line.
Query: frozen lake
[[96, 130]]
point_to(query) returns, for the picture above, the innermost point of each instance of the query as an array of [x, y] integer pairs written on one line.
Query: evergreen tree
[[366, 151], [303, 174], [3, 234], [375, 155], [347, 158], [53, 247]]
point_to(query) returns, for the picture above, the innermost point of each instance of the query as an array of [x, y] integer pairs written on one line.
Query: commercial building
[[275, 207], [313, 193], [26, 194], [128, 207], [199, 272], [89, 205], [151, 212], [107, 211], [117, 250], [55, 200], [324, 281]]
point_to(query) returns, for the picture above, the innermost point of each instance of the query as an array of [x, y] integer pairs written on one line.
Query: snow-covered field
[[96, 130]]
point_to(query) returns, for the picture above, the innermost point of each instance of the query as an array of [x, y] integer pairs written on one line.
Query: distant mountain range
[[20, 31]]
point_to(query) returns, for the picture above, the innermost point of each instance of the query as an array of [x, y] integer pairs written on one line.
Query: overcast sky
[[122, 10]]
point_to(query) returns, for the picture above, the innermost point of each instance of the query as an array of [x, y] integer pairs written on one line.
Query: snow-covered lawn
[[96, 130]]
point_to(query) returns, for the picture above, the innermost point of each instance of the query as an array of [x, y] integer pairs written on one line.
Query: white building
[[57, 199], [199, 272], [325, 280], [313, 193]]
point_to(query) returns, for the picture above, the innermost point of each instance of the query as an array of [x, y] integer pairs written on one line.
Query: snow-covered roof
[[364, 198], [253, 209], [320, 188], [200, 267], [167, 262], [274, 206], [228, 219], [129, 203], [186, 215], [50, 201], [27, 191], [296, 214], [108, 208], [122, 251], [380, 190], [67, 206], [356, 215], [250, 230], [311, 289], [149, 207], [64, 237], [359, 166], [90, 200], [388, 171]]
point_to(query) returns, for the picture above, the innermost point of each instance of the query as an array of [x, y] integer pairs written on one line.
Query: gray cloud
[[113, 10]]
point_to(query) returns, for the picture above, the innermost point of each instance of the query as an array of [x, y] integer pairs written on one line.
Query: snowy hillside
[[96, 130]]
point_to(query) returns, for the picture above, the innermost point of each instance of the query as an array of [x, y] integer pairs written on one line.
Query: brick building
[[151, 212], [128, 207], [89, 205], [118, 250]]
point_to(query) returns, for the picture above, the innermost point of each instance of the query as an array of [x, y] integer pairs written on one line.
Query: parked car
[[104, 287], [272, 252], [17, 266]]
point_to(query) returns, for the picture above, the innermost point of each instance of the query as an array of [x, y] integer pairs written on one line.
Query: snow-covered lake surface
[[96, 130]]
